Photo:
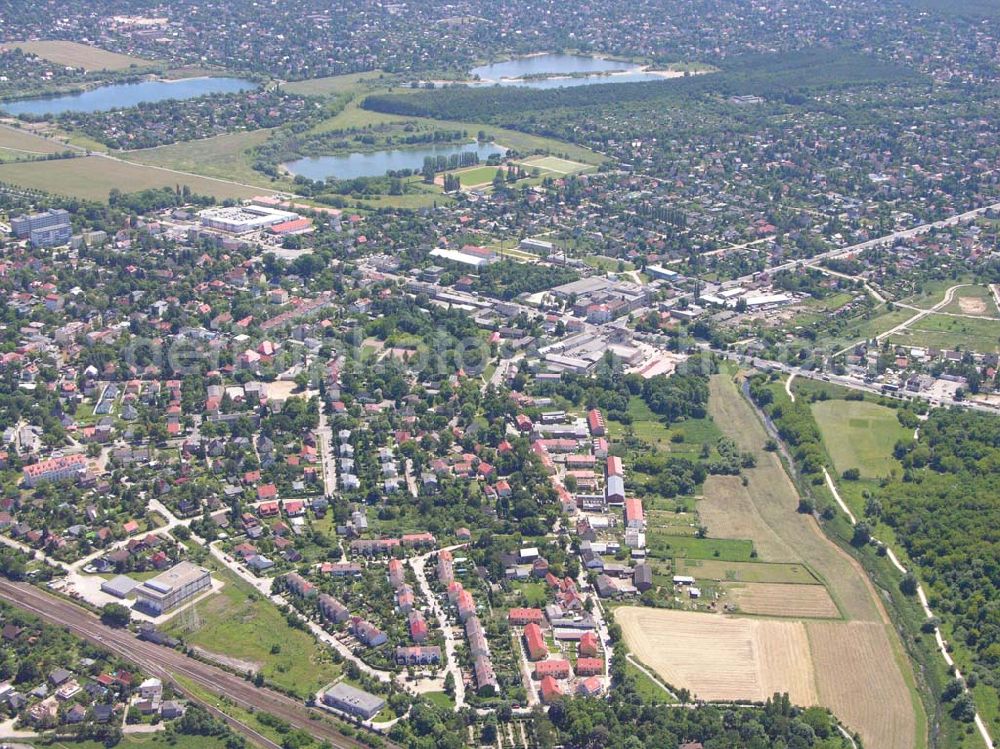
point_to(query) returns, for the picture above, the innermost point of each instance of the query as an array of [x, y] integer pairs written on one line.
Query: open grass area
[[946, 332], [747, 572], [93, 177], [334, 85], [861, 435], [222, 157], [972, 300], [239, 623], [76, 55], [148, 740]]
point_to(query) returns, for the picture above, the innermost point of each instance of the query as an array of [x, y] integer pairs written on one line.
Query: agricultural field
[[782, 600], [93, 177], [773, 501], [19, 144], [666, 546], [860, 434], [848, 658], [839, 665], [75, 55], [728, 511], [722, 658]]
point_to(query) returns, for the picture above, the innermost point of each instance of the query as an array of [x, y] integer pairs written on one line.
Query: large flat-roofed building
[[241, 219], [172, 588], [353, 701], [46, 229]]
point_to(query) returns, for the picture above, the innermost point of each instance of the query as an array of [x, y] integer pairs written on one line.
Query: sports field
[[93, 177], [861, 435], [480, 175], [75, 55]]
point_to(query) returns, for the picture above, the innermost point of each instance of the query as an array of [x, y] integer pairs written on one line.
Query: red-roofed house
[[588, 645], [634, 517], [589, 666], [558, 669], [520, 617], [550, 689], [535, 642]]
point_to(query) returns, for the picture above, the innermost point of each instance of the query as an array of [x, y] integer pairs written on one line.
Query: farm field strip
[[76, 55], [722, 658], [93, 177], [782, 600]]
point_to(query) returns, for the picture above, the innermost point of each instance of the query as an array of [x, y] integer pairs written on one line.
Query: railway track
[[169, 664]]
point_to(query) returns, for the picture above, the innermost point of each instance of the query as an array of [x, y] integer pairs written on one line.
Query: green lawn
[[535, 593], [861, 435], [238, 622], [223, 157], [440, 699], [731, 550], [650, 691], [333, 85]]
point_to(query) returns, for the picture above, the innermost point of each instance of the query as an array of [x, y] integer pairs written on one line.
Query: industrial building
[[46, 229], [172, 588], [245, 218], [353, 701]]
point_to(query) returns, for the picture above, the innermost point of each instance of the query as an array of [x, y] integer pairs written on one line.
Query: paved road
[[169, 664]]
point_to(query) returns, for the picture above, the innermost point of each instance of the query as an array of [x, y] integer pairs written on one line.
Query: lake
[[377, 163], [117, 95], [585, 71]]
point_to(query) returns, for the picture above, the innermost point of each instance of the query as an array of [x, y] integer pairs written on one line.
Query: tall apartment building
[[46, 229]]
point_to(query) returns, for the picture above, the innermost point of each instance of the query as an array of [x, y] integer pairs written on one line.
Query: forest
[[945, 512], [786, 77]]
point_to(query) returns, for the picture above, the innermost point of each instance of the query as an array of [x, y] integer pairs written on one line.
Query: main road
[[166, 663]]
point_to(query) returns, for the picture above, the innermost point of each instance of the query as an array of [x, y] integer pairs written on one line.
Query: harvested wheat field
[[866, 693], [722, 658], [783, 599]]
